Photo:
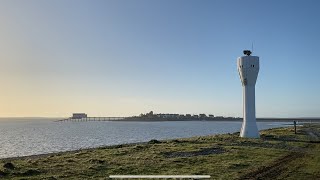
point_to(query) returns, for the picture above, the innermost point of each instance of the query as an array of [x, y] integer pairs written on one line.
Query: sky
[[123, 58]]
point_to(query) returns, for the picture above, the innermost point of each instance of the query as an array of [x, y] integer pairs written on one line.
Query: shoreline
[[278, 153], [121, 144], [35, 156], [113, 146]]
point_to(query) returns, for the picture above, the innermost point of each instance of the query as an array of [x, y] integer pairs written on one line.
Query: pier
[[91, 119]]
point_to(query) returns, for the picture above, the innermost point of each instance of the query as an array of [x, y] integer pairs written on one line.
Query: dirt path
[[280, 166], [275, 169]]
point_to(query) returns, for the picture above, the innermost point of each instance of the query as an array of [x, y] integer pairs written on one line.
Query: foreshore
[[279, 153]]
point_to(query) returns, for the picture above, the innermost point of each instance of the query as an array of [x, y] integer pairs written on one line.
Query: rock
[[31, 172], [70, 160], [175, 141], [137, 147], [98, 161], [8, 165], [118, 146], [51, 178], [154, 141]]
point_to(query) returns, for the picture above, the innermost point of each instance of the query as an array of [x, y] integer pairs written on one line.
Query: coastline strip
[[158, 176]]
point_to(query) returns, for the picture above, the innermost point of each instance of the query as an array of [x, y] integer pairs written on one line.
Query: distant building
[[171, 115], [79, 115], [211, 116], [182, 116], [202, 115], [219, 117]]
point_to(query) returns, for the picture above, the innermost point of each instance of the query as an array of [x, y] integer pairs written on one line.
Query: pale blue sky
[[120, 58]]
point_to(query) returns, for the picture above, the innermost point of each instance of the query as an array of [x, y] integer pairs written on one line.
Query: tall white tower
[[248, 67]]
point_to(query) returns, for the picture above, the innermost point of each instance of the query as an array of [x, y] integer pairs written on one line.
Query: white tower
[[248, 67]]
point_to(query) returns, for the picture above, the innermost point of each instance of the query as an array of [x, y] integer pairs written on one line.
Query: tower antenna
[[252, 47]]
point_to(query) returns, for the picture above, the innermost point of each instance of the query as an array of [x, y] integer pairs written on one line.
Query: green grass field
[[278, 154]]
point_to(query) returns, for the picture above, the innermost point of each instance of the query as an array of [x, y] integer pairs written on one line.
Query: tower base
[[249, 130]]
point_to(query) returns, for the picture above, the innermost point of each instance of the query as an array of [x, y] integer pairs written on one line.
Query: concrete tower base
[[249, 127], [249, 130]]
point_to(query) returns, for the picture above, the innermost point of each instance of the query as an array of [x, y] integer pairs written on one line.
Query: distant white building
[[79, 115]]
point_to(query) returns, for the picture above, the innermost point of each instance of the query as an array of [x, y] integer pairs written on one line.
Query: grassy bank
[[279, 153]]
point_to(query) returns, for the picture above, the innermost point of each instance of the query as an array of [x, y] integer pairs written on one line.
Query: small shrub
[[8, 165]]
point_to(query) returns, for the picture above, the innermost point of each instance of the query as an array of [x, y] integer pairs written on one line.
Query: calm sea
[[22, 137]]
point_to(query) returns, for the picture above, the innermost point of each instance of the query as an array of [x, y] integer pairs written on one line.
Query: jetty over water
[[92, 119], [84, 117]]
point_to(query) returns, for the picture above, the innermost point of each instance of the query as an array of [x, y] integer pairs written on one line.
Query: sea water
[[23, 137]]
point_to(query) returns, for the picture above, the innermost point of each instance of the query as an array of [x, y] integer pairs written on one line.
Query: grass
[[222, 156]]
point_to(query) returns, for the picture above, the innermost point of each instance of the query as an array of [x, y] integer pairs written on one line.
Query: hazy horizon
[[123, 58]]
